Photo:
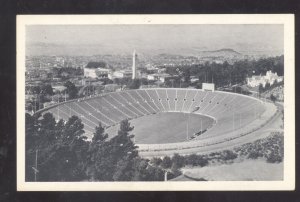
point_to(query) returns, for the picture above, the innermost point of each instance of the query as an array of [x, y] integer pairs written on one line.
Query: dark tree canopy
[[96, 64], [273, 98], [71, 90], [224, 74]]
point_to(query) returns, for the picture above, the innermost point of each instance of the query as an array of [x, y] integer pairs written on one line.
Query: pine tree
[[95, 166], [123, 151]]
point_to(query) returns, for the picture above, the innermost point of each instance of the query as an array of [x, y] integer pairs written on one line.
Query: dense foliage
[[94, 64], [225, 74], [71, 90], [131, 83], [59, 151], [67, 72], [270, 148]]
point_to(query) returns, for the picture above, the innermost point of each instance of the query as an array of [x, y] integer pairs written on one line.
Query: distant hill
[[225, 52]]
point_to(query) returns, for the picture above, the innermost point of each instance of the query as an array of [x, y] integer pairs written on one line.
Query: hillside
[[226, 52]]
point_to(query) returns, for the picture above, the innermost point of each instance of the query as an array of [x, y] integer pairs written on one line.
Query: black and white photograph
[[155, 102]]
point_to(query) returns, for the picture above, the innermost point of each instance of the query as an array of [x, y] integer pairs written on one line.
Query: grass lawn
[[248, 170], [165, 127]]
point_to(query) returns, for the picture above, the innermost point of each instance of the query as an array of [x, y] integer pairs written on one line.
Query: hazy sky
[[166, 37]]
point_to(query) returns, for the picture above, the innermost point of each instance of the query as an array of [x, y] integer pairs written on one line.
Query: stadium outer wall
[[196, 146]]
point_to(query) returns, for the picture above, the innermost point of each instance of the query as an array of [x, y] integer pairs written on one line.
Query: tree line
[[225, 74], [59, 151]]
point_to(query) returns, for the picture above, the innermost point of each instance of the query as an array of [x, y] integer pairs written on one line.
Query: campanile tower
[[134, 73]]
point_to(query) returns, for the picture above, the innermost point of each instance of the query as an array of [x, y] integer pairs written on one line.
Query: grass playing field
[[248, 170], [168, 127]]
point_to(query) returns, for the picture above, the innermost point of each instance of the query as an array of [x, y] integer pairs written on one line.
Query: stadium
[[172, 120]]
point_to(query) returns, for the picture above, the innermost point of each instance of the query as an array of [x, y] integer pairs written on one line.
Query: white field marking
[[208, 104], [137, 92], [89, 132], [176, 100], [192, 101], [107, 108], [168, 99], [228, 103], [130, 104], [200, 96], [60, 110], [160, 100], [200, 103], [184, 101], [244, 104], [115, 107], [158, 109], [221, 104], [152, 100], [138, 102], [81, 115], [211, 109], [122, 105], [90, 113], [89, 126], [98, 111]]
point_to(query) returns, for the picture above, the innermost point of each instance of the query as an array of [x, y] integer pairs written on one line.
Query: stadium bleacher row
[[230, 111]]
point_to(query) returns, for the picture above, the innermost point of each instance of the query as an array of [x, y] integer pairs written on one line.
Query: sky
[[123, 38]]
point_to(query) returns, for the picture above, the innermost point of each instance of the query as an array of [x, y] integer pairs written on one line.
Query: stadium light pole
[[233, 124], [254, 111], [201, 127], [187, 127], [35, 104], [166, 176], [36, 157], [58, 112], [35, 168]]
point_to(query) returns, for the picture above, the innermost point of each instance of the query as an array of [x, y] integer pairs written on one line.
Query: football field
[[167, 127]]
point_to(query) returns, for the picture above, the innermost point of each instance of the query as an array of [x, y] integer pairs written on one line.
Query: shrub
[[178, 160], [166, 162], [156, 161], [228, 155]]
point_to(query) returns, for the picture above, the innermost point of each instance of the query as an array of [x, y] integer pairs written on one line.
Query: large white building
[[96, 72], [122, 74], [270, 78], [159, 77]]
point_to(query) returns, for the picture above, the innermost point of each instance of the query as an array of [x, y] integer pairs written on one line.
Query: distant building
[[59, 89], [153, 77], [122, 74], [208, 87], [163, 77], [194, 79], [268, 78], [96, 72], [111, 87], [152, 70]]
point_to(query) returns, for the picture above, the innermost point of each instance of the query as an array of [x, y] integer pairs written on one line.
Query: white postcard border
[[289, 103]]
